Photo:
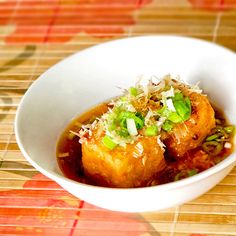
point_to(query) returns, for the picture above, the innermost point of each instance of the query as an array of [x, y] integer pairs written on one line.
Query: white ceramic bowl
[[90, 77]]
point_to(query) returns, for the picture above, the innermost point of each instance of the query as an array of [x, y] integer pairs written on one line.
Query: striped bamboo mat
[[34, 35]]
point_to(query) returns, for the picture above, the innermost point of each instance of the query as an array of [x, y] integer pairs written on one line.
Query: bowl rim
[[163, 187]]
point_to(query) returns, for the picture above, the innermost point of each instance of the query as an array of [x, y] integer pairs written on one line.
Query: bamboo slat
[[34, 35]]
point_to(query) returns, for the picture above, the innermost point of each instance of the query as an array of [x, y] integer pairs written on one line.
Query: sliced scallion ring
[[174, 117], [151, 131], [178, 96], [212, 147], [192, 172], [123, 132], [167, 126], [139, 122], [180, 175], [182, 109], [112, 127], [108, 142], [212, 137], [229, 129]]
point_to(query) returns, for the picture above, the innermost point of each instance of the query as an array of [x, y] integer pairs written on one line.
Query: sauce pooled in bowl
[[153, 134]]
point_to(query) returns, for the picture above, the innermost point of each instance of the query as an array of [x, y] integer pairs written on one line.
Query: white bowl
[[89, 77]]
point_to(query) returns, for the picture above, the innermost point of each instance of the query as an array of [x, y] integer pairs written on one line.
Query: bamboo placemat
[[34, 35]]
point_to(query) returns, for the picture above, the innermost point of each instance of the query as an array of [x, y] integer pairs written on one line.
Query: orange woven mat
[[34, 35]]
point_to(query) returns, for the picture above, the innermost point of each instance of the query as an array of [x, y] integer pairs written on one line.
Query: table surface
[[34, 35]]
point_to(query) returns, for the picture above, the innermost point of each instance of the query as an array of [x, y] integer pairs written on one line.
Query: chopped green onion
[[192, 172], [174, 117], [212, 137], [108, 142], [219, 128], [112, 127], [220, 131], [183, 174], [139, 115], [188, 103], [131, 126], [151, 131], [182, 106], [212, 147], [229, 129], [178, 96], [133, 91], [167, 126], [164, 111], [124, 115], [182, 109], [123, 132], [179, 176], [139, 121], [161, 110]]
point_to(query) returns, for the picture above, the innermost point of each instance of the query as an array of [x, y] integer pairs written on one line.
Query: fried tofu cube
[[132, 166], [189, 134]]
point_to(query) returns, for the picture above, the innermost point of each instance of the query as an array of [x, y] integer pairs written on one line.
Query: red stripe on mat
[[81, 204], [51, 23]]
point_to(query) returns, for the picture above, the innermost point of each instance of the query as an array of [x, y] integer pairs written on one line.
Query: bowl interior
[[92, 76]]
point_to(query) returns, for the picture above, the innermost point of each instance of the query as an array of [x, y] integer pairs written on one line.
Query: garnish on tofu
[[144, 110], [156, 132]]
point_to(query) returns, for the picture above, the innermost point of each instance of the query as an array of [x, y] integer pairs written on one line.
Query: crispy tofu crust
[[132, 166], [189, 134]]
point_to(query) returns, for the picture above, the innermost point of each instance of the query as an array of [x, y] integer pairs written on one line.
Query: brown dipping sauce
[[71, 164], [69, 153]]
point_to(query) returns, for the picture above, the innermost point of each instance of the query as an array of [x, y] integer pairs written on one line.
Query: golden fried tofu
[[132, 166], [189, 134]]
